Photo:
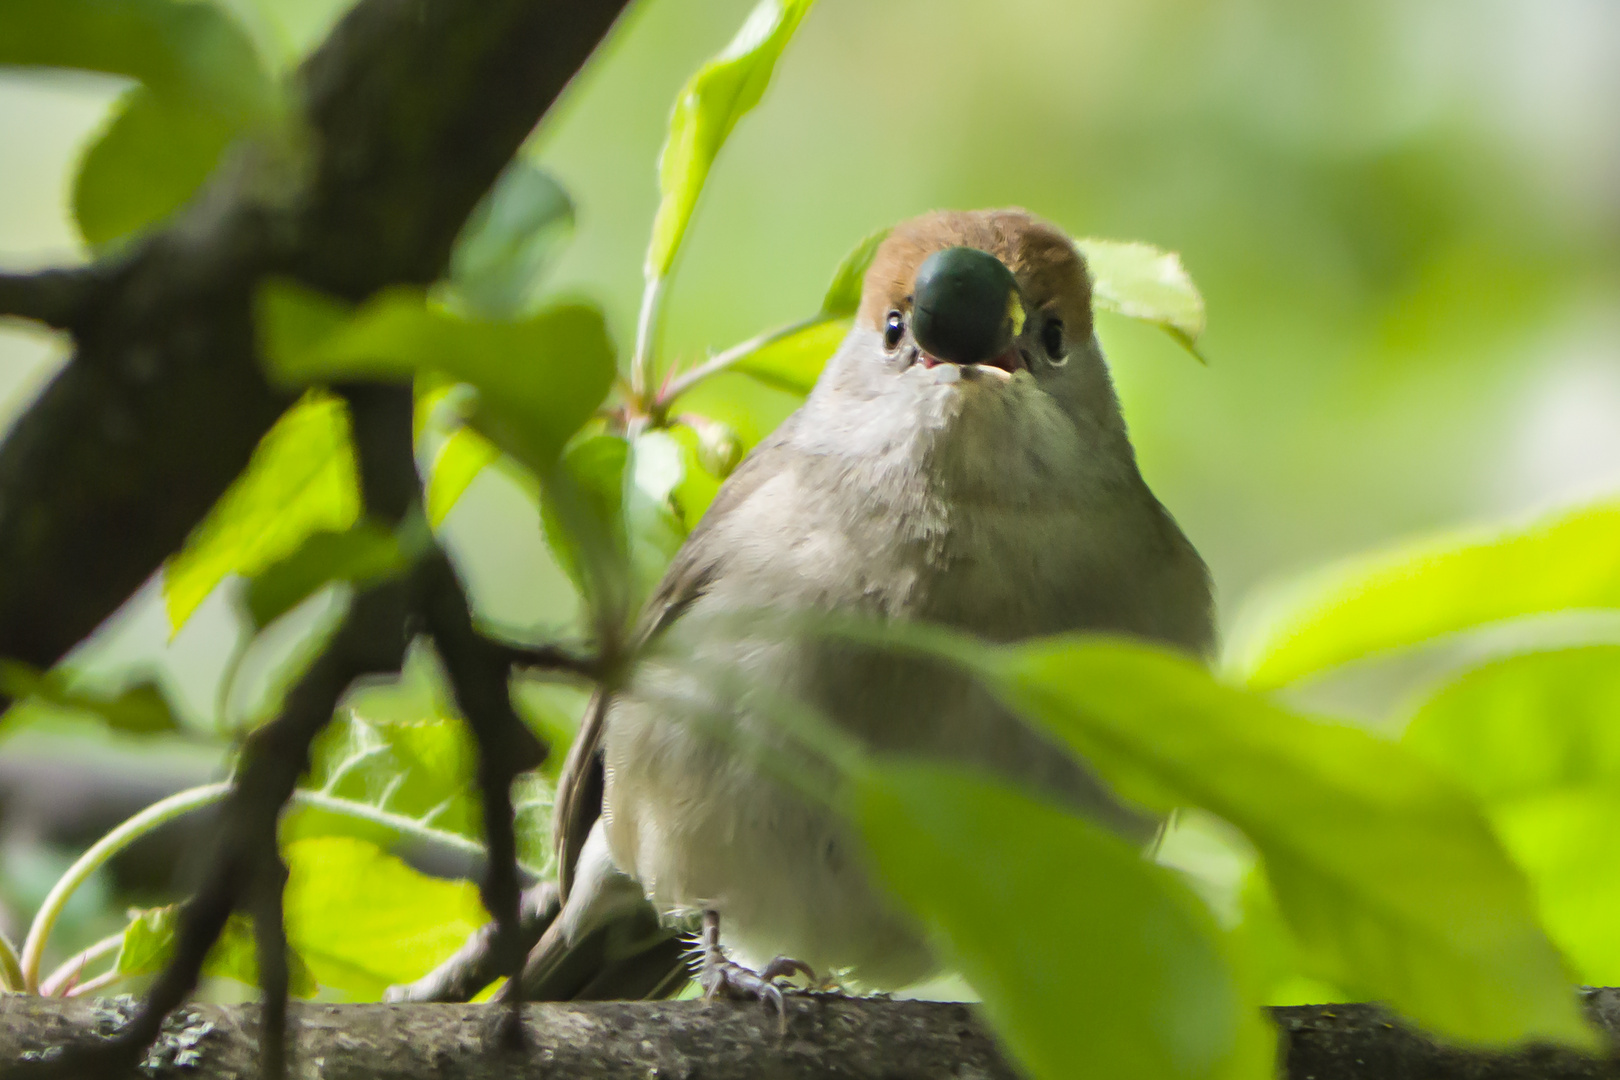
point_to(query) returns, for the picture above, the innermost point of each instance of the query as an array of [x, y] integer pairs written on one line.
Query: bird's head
[[976, 325]]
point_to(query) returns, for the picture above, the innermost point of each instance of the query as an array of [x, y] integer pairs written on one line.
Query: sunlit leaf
[[793, 362], [1144, 282], [509, 241], [360, 555], [363, 920], [709, 106], [1569, 846], [463, 456], [141, 708], [182, 50], [1389, 876], [301, 479], [1091, 961], [698, 485], [538, 379], [1527, 725], [147, 163], [843, 297], [149, 944], [1415, 592], [295, 27]]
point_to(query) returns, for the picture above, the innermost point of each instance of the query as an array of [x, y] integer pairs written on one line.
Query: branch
[[828, 1037], [57, 298], [414, 108]]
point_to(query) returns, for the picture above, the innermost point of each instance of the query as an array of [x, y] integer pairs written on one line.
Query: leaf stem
[[641, 362], [11, 975], [721, 361], [54, 983], [157, 814]]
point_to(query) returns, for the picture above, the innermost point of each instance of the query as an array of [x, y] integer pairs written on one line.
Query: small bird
[[963, 461]]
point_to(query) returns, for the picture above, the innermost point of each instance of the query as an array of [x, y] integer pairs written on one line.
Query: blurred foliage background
[[1404, 216]]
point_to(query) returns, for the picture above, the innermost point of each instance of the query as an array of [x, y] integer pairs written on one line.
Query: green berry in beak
[[965, 306]]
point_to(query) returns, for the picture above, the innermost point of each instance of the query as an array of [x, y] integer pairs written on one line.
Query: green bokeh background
[[1404, 215]]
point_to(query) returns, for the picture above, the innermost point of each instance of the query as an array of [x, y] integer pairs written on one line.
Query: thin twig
[[723, 360], [553, 658], [56, 298]]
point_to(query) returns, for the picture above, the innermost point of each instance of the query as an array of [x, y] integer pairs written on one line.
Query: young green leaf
[[302, 479], [509, 241], [1526, 725], [1091, 961], [1143, 282], [153, 155], [463, 455], [363, 920], [843, 297], [1388, 874], [1414, 592], [709, 106], [141, 708], [363, 554], [149, 944], [185, 52], [538, 379]]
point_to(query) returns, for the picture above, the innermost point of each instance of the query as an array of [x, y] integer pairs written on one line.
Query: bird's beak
[[966, 310]]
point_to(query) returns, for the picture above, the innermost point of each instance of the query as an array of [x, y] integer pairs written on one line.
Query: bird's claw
[[727, 978]]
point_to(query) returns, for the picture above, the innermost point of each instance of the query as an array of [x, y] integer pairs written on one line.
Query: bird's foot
[[723, 977]]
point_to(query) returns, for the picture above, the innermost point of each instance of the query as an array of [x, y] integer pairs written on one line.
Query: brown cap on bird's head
[[1050, 274]]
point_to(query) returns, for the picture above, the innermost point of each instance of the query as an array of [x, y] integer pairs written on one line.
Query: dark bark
[[827, 1037], [413, 107]]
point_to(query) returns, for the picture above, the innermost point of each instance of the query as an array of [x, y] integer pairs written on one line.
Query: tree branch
[[413, 109], [57, 298], [827, 1037]]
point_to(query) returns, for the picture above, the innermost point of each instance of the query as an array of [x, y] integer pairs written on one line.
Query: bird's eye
[[1052, 339], [893, 330]]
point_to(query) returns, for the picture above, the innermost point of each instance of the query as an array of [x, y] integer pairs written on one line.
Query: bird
[[962, 460]]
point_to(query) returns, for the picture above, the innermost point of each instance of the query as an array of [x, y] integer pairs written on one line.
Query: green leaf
[[186, 52], [843, 297], [1389, 876], [1411, 593], [361, 555], [149, 944], [538, 379], [363, 920], [1568, 845], [153, 155], [141, 708], [463, 455], [1527, 725], [698, 485], [1143, 282], [509, 241], [302, 479], [793, 362], [1091, 961], [709, 106]]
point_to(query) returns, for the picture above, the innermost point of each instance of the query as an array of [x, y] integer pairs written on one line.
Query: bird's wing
[[580, 783]]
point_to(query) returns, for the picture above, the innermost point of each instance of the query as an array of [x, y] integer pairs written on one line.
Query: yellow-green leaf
[[149, 944], [1144, 282], [1091, 960], [709, 106], [1388, 874], [793, 361], [1414, 592], [301, 479]]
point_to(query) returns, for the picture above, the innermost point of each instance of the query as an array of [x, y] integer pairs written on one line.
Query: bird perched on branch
[[962, 460]]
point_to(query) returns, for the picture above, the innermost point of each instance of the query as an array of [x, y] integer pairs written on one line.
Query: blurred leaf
[[709, 106], [363, 920], [698, 486], [1091, 961], [1143, 282], [186, 52], [1569, 846], [365, 553], [1418, 591], [1527, 725], [463, 456], [147, 163], [295, 27], [509, 241], [1390, 877], [793, 362], [538, 379], [302, 479], [139, 709], [149, 943], [843, 297]]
